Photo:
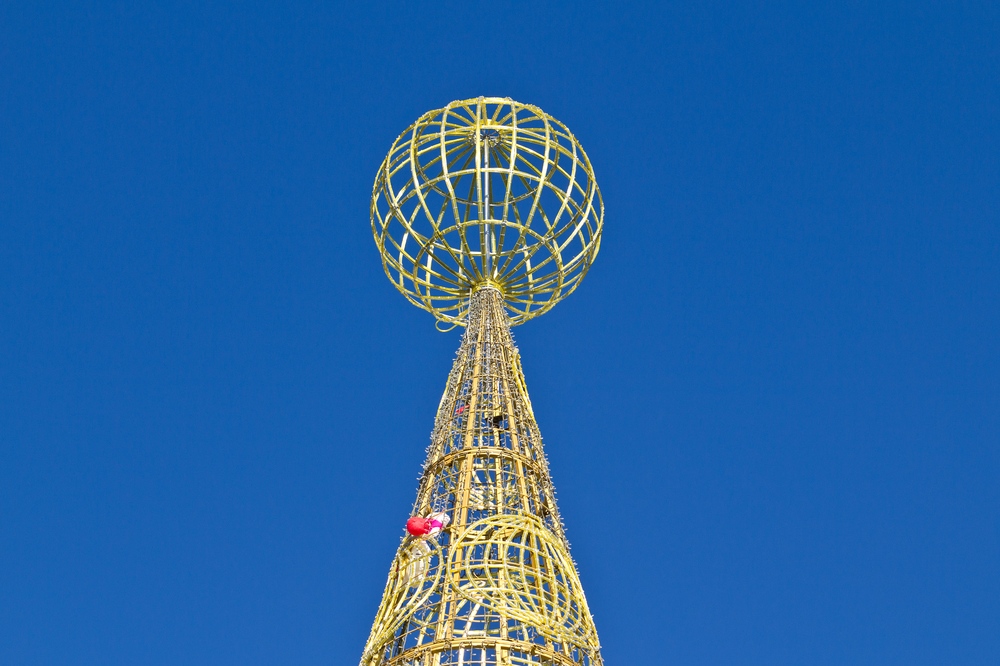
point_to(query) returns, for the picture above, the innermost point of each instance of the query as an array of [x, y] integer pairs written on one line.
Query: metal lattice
[[486, 190], [499, 580], [486, 213]]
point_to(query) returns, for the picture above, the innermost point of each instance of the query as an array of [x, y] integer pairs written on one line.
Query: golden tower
[[486, 213]]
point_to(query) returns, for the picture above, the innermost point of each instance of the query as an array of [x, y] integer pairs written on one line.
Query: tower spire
[[486, 214], [497, 586]]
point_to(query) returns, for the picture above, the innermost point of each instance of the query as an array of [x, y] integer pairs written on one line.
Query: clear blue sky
[[772, 409]]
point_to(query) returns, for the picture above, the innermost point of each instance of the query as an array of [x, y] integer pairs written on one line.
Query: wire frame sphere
[[486, 192]]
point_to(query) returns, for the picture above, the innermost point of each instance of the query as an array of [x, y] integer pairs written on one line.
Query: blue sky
[[772, 409]]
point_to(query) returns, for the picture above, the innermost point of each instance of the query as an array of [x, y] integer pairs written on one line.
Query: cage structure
[[486, 190], [494, 584]]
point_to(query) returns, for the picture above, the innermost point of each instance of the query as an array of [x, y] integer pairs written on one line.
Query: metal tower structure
[[486, 213]]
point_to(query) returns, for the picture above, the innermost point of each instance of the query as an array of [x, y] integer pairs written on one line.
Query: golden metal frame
[[486, 190], [496, 586]]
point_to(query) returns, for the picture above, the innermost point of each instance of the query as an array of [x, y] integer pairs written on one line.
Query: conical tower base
[[497, 585]]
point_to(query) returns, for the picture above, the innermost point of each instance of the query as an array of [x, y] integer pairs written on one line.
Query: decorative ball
[[486, 192], [418, 526]]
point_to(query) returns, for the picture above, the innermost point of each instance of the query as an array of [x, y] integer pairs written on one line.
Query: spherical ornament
[[418, 526], [486, 192]]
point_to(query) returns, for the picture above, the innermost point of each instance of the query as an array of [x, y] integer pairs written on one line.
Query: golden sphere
[[486, 192]]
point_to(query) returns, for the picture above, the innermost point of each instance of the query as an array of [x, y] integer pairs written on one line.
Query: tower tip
[[486, 193]]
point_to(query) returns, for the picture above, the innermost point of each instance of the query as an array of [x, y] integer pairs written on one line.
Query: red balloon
[[418, 526]]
